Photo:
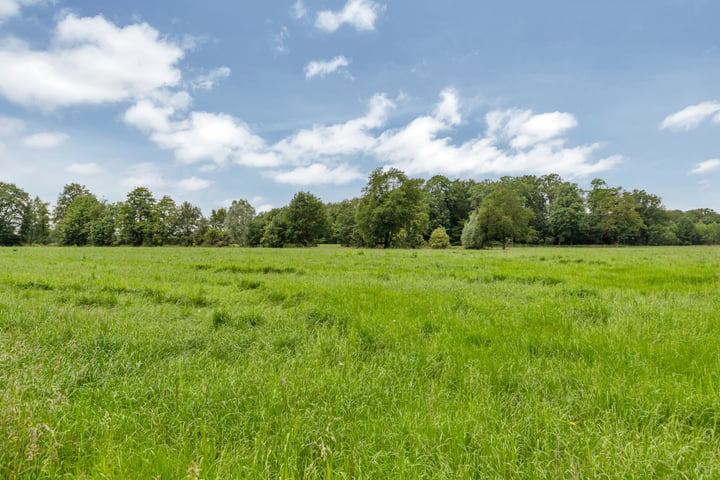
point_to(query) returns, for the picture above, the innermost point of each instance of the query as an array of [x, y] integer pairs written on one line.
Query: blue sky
[[220, 100]]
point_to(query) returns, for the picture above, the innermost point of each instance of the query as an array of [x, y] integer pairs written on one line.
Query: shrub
[[439, 238]]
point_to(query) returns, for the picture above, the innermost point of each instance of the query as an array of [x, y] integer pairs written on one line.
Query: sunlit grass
[[335, 363]]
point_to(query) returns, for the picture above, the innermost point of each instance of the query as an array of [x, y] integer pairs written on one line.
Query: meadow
[[176, 363]]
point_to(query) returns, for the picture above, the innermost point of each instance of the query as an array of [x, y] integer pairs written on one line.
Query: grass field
[[335, 363]]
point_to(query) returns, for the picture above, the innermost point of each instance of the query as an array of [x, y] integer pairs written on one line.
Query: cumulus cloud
[[91, 61], [691, 117], [322, 69], [351, 138], [318, 174], [706, 166], [359, 14], [84, 168], [515, 141], [534, 144], [194, 184], [45, 140], [209, 80]]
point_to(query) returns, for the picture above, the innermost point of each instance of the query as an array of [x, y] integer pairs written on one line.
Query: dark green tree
[[392, 207], [186, 223], [14, 214], [567, 217], [66, 197], [79, 217], [138, 218], [500, 218], [305, 220]]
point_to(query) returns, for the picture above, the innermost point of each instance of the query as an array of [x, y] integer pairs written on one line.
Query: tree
[[614, 213], [137, 218], [237, 222], [305, 220], [275, 225], [343, 227], [39, 222], [14, 214], [449, 204], [652, 213], [567, 214], [77, 223], [501, 218], [164, 232], [187, 221], [392, 203], [103, 229], [439, 238], [66, 197]]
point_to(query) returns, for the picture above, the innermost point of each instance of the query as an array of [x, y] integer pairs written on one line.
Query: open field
[[334, 363]]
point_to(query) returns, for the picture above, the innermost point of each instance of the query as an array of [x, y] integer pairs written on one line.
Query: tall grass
[[333, 363]]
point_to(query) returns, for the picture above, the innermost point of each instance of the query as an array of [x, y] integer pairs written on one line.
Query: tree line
[[392, 211]]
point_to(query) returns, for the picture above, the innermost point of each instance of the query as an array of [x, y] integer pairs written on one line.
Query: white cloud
[[84, 168], [11, 8], [91, 61], [706, 166], [201, 136], [298, 10], [209, 80], [323, 68], [10, 127], [692, 116], [194, 184], [45, 140], [359, 14], [515, 142], [143, 175], [345, 139], [318, 174], [535, 141], [523, 129]]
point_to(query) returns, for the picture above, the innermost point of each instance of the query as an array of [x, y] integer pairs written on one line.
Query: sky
[[229, 99]]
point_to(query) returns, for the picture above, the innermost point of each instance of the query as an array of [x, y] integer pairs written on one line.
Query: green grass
[[335, 363]]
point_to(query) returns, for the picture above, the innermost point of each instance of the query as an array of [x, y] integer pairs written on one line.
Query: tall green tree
[[164, 231], [78, 219], [305, 220], [613, 214], [66, 197], [393, 206], [39, 222], [567, 217], [138, 218], [14, 214], [187, 222], [500, 218], [103, 229], [343, 226], [237, 222]]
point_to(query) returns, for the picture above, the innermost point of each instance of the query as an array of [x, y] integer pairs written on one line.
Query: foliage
[[439, 239], [305, 220], [138, 218], [14, 214], [391, 202], [500, 218]]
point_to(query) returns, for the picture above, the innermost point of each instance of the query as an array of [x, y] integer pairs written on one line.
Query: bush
[[439, 238]]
